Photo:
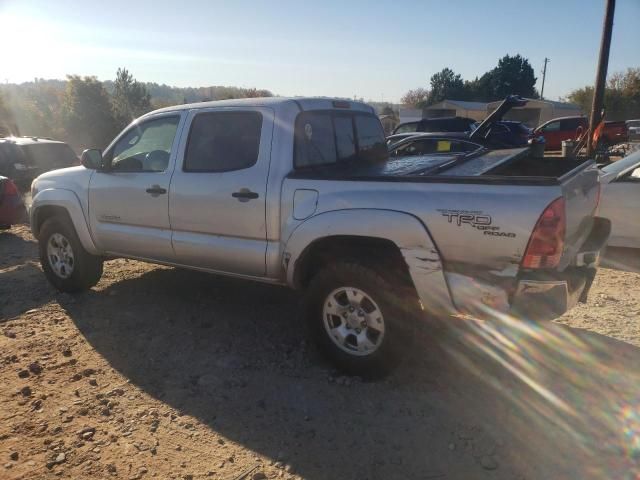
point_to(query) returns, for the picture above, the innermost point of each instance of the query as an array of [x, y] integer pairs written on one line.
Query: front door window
[[145, 147]]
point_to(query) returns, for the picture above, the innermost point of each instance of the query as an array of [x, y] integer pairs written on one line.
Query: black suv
[[24, 158]]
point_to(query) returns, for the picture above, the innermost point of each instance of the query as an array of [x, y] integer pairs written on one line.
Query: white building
[[409, 114]]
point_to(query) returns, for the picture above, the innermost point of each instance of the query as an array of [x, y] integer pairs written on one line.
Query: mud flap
[[591, 275]]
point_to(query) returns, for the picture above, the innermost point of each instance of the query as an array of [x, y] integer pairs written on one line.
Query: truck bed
[[509, 166], [507, 185]]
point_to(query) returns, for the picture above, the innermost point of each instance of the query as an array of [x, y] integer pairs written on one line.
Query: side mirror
[[91, 159]]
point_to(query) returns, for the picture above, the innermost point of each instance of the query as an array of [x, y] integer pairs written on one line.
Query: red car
[[570, 128], [12, 208]]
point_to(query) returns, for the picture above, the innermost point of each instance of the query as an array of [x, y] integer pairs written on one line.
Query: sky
[[375, 50]]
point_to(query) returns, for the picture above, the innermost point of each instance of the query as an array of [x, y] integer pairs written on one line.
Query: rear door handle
[[156, 190], [244, 195]]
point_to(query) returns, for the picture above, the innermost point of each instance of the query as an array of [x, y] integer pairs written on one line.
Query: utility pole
[[544, 76], [601, 74]]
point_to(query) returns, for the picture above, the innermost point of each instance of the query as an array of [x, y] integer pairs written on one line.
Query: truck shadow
[[22, 288], [546, 401], [14, 249], [627, 259]]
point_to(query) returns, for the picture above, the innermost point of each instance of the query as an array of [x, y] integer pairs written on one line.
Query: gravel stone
[[488, 462]]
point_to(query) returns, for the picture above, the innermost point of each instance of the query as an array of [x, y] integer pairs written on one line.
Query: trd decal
[[476, 219]]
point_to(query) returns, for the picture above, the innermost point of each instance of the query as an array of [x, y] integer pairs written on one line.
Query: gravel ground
[[163, 373]]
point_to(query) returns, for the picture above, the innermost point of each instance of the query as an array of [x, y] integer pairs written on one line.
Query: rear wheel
[[66, 264], [357, 318]]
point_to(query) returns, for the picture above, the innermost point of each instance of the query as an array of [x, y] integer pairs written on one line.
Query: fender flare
[[406, 231], [68, 200]]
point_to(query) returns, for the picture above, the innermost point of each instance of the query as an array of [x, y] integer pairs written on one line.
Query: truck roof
[[299, 103]]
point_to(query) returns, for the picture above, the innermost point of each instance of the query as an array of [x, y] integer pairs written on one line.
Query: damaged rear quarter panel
[[406, 231]]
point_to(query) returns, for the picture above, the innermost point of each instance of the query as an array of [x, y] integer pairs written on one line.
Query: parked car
[[442, 124], [427, 144], [302, 193], [24, 158], [621, 200], [633, 127], [569, 128], [12, 210]]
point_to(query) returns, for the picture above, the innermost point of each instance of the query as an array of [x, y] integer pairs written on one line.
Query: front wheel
[[66, 264], [358, 319]]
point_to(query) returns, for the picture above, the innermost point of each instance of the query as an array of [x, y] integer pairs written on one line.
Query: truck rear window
[[330, 137]]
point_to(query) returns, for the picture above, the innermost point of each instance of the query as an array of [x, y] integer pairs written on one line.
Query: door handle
[[156, 190], [244, 195]]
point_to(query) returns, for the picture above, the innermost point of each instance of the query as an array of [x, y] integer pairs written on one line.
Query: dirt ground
[[163, 373]]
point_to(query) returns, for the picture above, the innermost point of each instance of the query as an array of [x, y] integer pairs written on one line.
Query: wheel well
[[44, 213], [380, 254]]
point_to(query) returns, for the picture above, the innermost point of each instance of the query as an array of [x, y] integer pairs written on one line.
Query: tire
[[327, 302], [80, 270]]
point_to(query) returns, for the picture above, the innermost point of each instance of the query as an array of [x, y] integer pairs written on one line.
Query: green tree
[[415, 98], [621, 96], [6, 119], [513, 76], [86, 113], [130, 98], [446, 84], [481, 89], [582, 97]]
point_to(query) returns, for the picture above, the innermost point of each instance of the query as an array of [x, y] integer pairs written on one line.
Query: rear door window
[[551, 127], [570, 124], [223, 141], [51, 155]]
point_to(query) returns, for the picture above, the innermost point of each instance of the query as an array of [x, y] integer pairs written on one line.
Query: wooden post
[[544, 76], [601, 74]]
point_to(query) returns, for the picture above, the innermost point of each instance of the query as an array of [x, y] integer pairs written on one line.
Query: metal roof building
[[536, 112], [456, 108]]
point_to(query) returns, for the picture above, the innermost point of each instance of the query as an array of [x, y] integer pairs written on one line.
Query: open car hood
[[507, 104]]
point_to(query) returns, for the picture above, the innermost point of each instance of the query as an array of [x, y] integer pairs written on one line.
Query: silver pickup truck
[[302, 193]]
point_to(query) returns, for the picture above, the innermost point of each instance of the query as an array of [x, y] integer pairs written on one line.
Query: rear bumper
[[532, 295], [546, 299], [548, 295]]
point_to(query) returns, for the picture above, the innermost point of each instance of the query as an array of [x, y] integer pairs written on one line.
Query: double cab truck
[[301, 192]]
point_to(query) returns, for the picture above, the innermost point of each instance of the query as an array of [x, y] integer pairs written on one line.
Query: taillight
[[10, 188], [547, 239]]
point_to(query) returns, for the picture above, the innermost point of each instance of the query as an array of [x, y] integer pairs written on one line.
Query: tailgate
[[581, 191]]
